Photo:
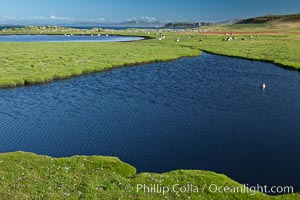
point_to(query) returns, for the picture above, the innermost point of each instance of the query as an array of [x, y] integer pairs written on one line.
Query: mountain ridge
[[271, 19]]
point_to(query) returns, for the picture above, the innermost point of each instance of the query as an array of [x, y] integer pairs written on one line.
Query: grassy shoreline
[[36, 63], [254, 59], [23, 176], [39, 82], [280, 50]]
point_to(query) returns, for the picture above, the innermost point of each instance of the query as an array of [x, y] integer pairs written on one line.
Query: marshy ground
[[23, 175]]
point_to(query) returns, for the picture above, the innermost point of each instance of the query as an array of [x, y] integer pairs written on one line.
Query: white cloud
[[145, 18], [36, 18], [52, 17], [57, 19], [9, 17], [132, 18], [149, 19], [101, 19]]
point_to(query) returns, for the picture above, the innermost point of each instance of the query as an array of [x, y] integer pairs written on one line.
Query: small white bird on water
[[263, 86]]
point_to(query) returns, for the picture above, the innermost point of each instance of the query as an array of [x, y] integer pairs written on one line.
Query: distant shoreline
[[86, 27]]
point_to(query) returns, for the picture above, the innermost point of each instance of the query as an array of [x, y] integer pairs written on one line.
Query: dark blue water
[[206, 112], [67, 38]]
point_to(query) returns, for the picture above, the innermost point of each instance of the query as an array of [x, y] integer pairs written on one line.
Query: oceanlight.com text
[[211, 188]]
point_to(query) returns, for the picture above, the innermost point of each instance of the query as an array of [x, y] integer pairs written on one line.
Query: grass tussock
[[29, 176]]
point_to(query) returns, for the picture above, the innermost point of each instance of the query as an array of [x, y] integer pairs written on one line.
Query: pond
[[206, 112], [67, 38]]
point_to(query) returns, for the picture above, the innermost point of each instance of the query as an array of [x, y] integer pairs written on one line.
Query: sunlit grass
[[31, 63], [28, 176]]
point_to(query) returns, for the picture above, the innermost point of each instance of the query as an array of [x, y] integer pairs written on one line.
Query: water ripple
[[206, 112]]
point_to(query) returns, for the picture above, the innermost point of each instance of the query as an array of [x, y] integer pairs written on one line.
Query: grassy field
[[23, 175], [29, 176], [283, 27], [31, 63], [279, 49]]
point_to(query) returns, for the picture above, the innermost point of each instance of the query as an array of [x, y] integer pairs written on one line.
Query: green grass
[[283, 27], [32, 63], [283, 50], [23, 175], [247, 27], [29, 176]]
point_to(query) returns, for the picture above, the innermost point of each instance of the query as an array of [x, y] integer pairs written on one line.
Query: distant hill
[[271, 19], [137, 23], [228, 22], [182, 25], [132, 23]]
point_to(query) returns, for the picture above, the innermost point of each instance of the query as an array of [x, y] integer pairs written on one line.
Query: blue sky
[[13, 11]]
